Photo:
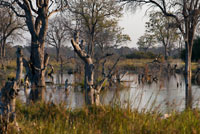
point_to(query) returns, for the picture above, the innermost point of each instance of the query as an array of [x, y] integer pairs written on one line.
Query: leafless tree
[[8, 97], [92, 90], [9, 27], [57, 35]]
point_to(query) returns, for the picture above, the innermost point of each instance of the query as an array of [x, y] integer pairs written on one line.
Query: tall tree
[[9, 25], [111, 37], [57, 35], [186, 14], [93, 18], [146, 41], [36, 14], [160, 26]]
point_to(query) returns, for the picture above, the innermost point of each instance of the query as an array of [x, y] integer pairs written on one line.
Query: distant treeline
[[141, 55], [130, 53]]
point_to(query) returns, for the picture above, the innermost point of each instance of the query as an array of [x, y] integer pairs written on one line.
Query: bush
[[56, 119], [195, 50], [141, 55]]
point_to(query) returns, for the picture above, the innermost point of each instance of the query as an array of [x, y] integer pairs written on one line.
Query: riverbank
[[52, 119]]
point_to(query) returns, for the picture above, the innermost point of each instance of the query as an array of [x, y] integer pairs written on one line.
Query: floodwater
[[165, 96]]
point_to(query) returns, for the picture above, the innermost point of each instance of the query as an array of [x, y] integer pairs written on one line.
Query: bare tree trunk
[[57, 54], [89, 82], [8, 97], [61, 69], [38, 66], [89, 69], [165, 47], [19, 65], [1, 50], [188, 77], [4, 49], [92, 92]]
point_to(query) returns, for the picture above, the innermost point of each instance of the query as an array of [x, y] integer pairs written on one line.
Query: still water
[[165, 96]]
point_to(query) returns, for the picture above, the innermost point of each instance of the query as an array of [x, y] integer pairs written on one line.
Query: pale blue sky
[[134, 25]]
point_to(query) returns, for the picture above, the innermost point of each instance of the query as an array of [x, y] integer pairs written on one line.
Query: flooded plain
[[165, 95]]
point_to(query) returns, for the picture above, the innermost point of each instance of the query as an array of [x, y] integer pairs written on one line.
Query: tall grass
[[52, 119]]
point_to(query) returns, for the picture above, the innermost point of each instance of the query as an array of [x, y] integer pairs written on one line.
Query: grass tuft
[[56, 119]]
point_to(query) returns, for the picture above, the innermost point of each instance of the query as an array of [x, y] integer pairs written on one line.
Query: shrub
[[141, 55], [195, 50]]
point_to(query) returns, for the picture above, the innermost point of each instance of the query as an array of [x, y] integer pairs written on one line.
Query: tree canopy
[[164, 34], [94, 19]]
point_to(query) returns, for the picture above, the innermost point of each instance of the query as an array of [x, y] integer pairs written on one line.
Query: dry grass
[[52, 119]]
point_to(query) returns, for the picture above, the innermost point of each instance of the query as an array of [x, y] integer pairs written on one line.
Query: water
[[165, 96]]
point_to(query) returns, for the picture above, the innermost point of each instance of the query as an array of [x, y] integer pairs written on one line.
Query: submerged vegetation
[[56, 119]]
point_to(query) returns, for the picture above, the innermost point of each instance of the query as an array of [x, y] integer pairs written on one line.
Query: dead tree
[[8, 96], [36, 15], [89, 69], [92, 91]]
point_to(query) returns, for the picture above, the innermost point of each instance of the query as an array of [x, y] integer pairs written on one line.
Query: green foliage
[[52, 119], [141, 55], [146, 41], [98, 22], [159, 30], [195, 50], [162, 28]]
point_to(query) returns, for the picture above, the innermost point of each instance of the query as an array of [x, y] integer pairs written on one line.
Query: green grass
[[130, 64], [52, 119], [67, 65]]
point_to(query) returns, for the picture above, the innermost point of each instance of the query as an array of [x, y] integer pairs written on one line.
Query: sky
[[134, 25]]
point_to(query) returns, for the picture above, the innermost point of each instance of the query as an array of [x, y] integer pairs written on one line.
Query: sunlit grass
[[52, 119], [66, 65], [130, 63], [194, 66], [11, 65]]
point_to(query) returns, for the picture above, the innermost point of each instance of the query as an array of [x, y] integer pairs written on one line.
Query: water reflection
[[166, 95]]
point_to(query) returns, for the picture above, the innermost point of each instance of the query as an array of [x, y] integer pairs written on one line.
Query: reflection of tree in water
[[172, 96], [58, 81], [169, 82], [170, 87]]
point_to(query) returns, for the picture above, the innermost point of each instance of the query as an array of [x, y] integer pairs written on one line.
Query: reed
[[48, 118]]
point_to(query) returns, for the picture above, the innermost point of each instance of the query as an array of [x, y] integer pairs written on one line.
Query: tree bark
[[38, 30], [165, 47], [19, 65], [89, 82], [4, 49], [1, 50], [89, 70], [37, 64], [8, 96], [188, 76], [57, 54]]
